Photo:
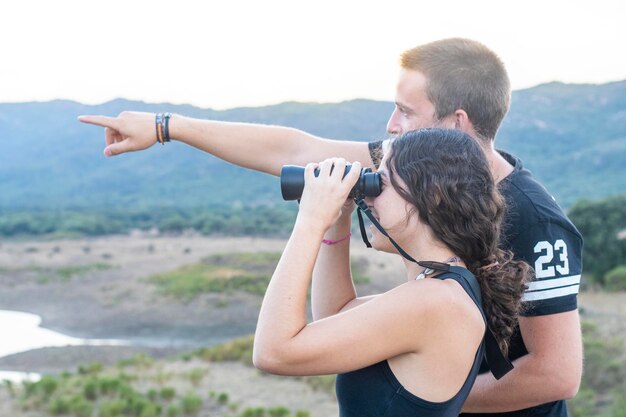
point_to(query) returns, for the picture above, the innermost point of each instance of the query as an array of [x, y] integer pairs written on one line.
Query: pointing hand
[[130, 131]]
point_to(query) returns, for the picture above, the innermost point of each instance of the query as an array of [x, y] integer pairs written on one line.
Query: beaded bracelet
[[332, 242]]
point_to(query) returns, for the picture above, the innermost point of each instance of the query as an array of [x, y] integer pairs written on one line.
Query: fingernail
[[107, 152]]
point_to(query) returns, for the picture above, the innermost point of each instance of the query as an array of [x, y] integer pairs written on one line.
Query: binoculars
[[292, 182]]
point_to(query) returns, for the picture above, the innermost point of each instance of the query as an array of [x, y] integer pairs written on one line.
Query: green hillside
[[572, 136]]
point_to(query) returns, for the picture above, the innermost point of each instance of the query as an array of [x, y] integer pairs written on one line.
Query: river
[[22, 332]]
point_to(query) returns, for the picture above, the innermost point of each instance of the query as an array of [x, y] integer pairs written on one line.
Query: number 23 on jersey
[[546, 265]]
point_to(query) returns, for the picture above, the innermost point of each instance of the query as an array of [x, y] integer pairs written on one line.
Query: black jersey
[[537, 231]]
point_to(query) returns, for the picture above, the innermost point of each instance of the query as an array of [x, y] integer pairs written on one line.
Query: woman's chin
[[380, 242]]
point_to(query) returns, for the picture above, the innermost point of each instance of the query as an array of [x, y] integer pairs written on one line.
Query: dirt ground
[[119, 302]]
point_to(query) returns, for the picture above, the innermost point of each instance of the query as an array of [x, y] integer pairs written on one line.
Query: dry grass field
[[105, 288]]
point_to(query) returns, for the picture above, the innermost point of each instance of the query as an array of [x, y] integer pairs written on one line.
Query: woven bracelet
[[332, 242], [162, 124]]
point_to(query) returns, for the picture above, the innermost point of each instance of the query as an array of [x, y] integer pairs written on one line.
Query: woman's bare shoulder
[[435, 298]]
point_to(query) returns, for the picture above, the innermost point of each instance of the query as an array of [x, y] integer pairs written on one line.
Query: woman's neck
[[437, 253]]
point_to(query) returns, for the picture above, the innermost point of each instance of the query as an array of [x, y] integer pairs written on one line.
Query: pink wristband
[[332, 242]]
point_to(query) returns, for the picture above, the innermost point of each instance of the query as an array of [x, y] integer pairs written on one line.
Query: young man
[[458, 84]]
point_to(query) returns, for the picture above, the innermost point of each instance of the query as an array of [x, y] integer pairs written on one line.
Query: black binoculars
[[292, 182]]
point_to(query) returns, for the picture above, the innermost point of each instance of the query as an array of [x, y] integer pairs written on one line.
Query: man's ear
[[463, 123]]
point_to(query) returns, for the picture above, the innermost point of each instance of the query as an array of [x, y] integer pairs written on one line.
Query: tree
[[603, 225]]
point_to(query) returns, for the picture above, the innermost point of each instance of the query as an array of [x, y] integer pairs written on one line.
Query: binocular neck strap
[[498, 363], [363, 208]]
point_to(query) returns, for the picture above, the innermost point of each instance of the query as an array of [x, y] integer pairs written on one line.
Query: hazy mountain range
[[573, 137]]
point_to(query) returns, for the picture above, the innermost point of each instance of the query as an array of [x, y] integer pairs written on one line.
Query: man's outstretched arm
[[260, 147]]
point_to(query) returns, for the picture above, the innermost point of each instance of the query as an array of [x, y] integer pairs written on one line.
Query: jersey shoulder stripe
[[552, 288]]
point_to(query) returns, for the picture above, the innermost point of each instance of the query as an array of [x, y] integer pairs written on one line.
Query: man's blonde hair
[[463, 74]]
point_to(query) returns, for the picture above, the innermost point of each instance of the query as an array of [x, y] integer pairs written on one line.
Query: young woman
[[416, 349]]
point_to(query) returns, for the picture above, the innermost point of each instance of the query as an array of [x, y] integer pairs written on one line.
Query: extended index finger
[[104, 121]]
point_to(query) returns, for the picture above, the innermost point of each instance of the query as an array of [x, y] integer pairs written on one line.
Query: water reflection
[[19, 376], [22, 332]]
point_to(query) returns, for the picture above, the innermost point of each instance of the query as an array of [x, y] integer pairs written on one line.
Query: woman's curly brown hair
[[448, 181]]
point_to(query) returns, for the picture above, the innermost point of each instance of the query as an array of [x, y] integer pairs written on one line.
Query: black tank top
[[375, 391]]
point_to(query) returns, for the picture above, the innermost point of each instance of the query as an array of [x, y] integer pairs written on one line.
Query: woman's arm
[[333, 290], [390, 324], [332, 286], [259, 147]]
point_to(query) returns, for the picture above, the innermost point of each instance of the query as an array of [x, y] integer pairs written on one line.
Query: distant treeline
[[602, 224], [266, 220]]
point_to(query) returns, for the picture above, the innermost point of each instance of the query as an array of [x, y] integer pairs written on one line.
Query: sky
[[224, 54]]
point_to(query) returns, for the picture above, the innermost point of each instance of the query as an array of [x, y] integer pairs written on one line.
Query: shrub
[[8, 384], [113, 408], [47, 385], [235, 350], [173, 411], [324, 383], [254, 412], [110, 386], [605, 365], [59, 406], [168, 393], [137, 405], [278, 412], [90, 390], [196, 375], [191, 404], [80, 407], [140, 360], [619, 404], [222, 399], [150, 409], [248, 272], [615, 279], [603, 376], [90, 368], [152, 394]]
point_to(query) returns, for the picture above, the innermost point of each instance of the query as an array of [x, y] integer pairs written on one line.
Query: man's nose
[[393, 127]]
